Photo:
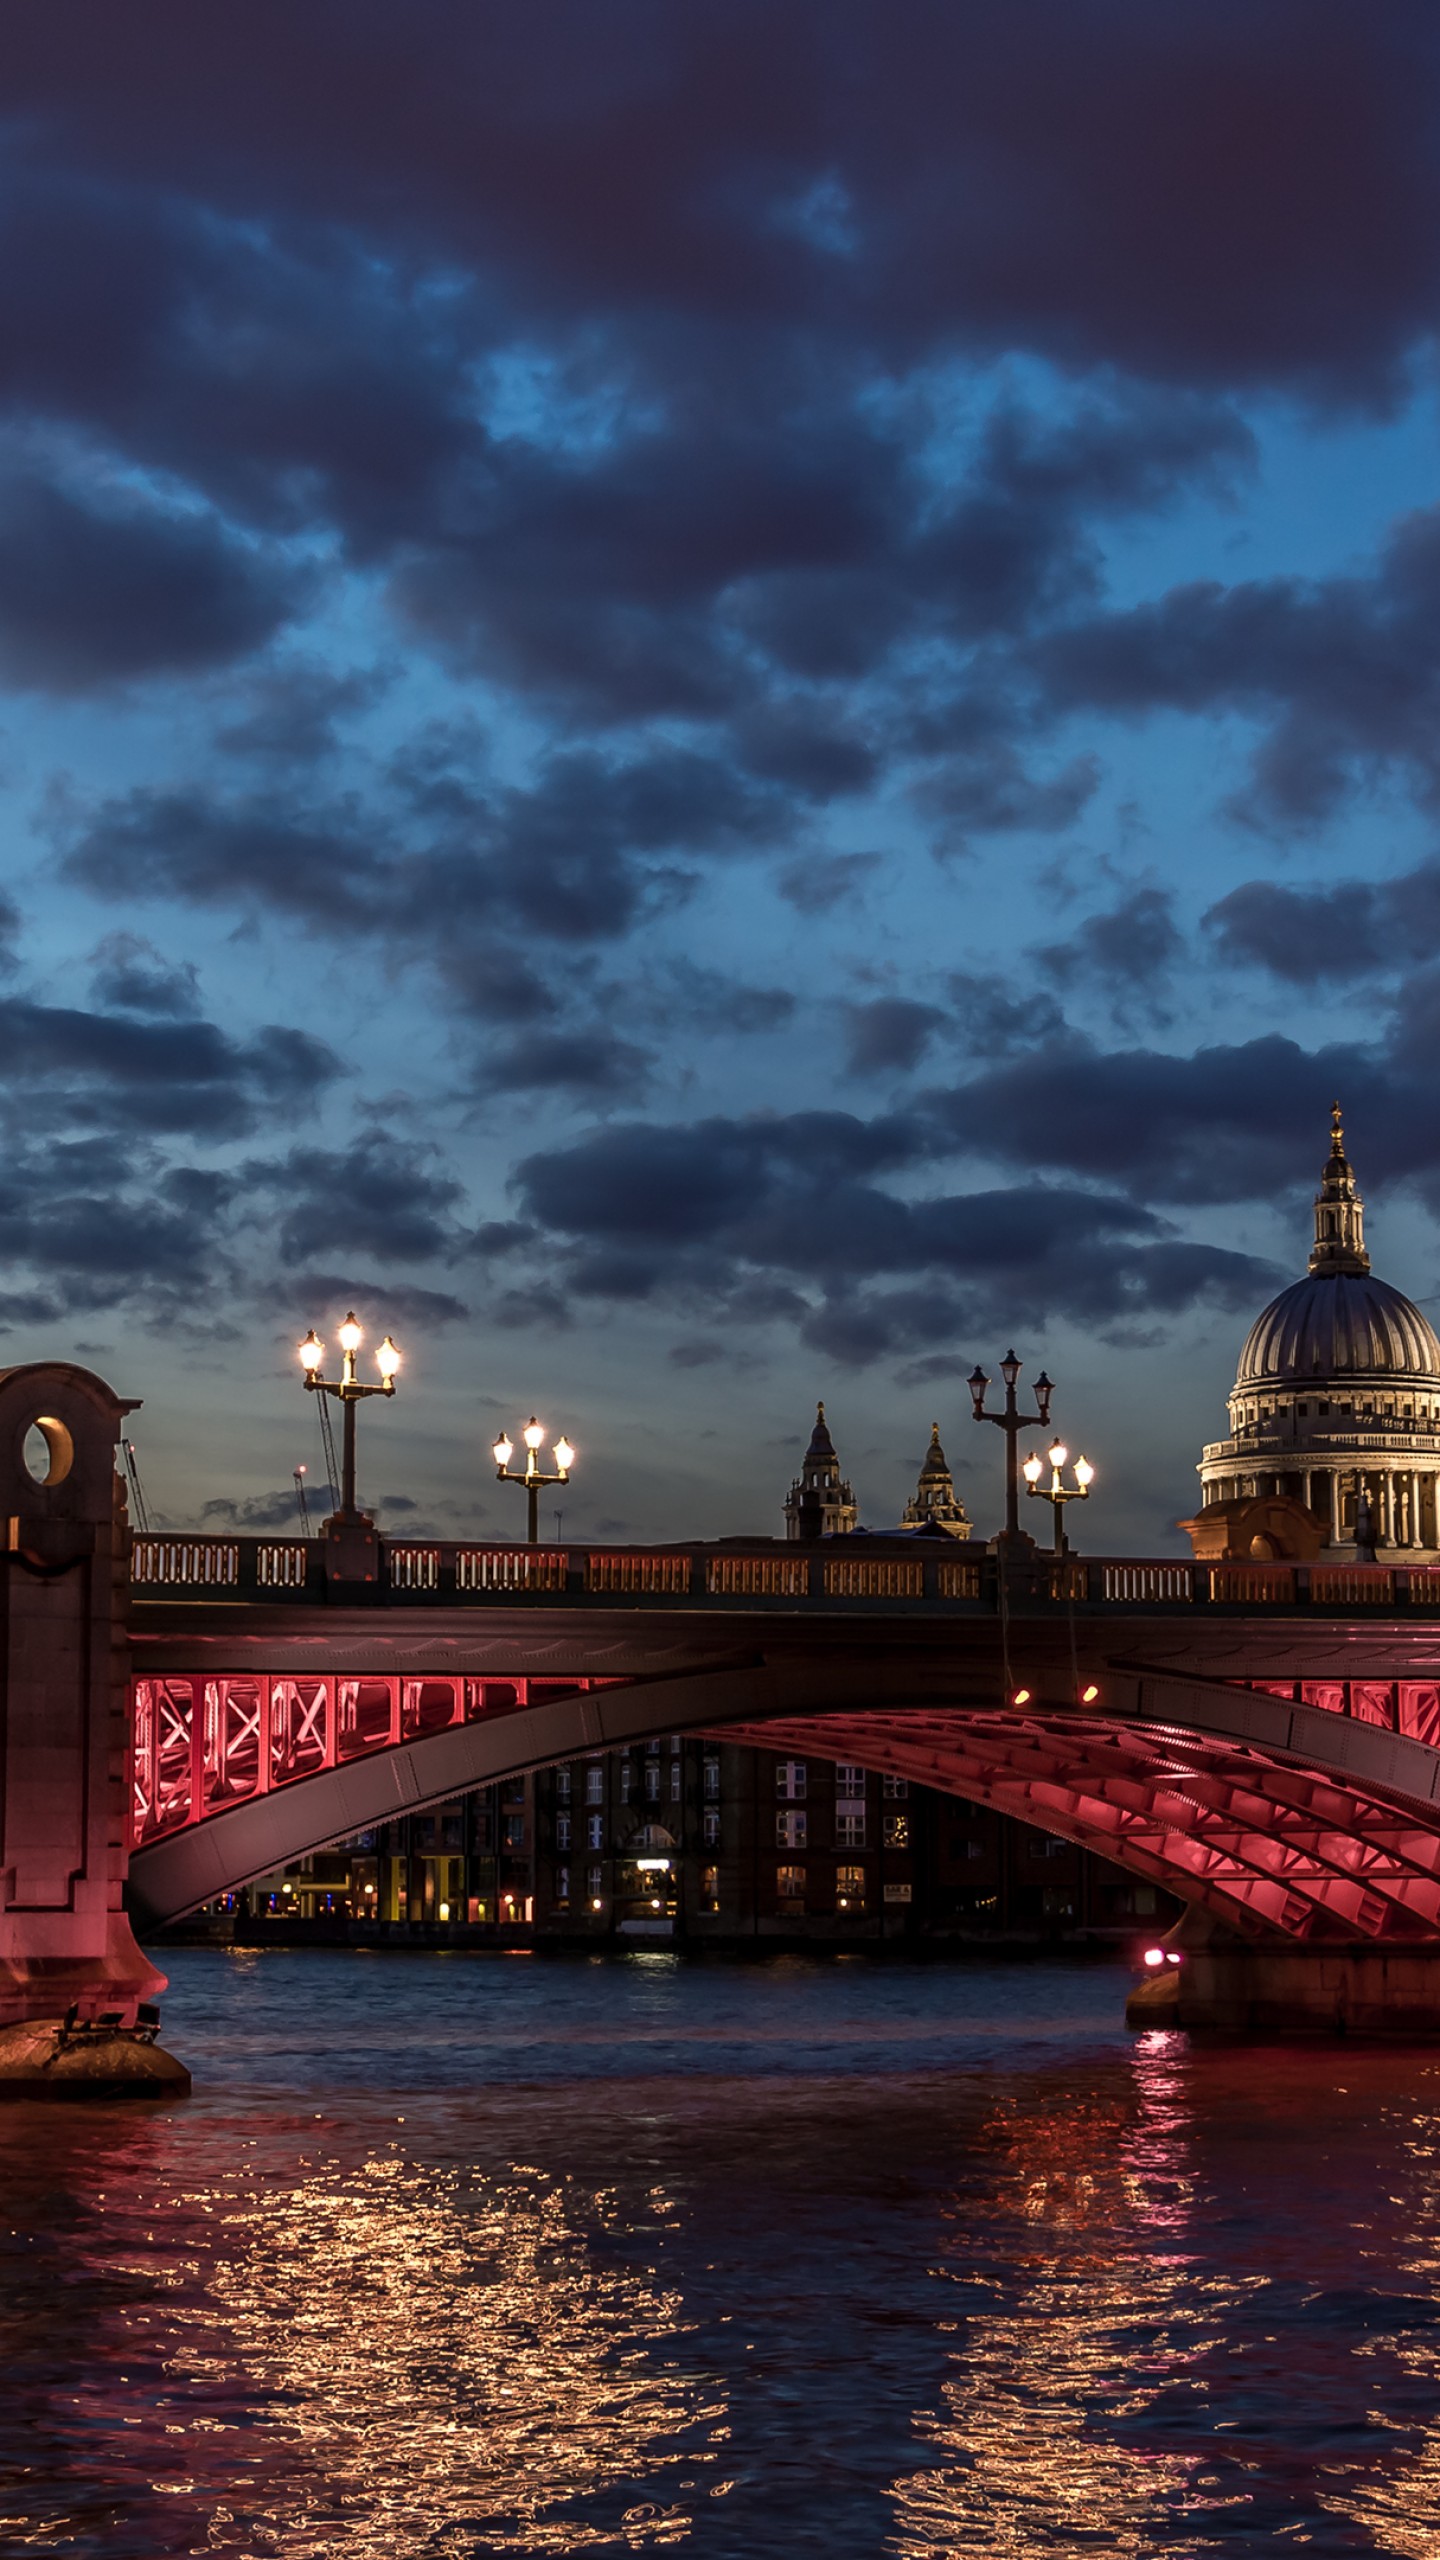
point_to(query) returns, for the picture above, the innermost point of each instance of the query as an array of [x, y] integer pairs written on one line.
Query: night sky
[[718, 704]]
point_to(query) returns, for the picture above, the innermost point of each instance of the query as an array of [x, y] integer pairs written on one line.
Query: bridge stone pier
[[66, 1944]]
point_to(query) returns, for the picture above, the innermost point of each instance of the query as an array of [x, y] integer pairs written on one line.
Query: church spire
[[821, 1504], [1339, 1210], [935, 1502]]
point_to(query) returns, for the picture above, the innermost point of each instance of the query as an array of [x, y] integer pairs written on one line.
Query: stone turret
[[821, 1503], [935, 1504]]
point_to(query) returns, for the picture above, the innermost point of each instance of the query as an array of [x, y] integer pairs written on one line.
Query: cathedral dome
[[1338, 1324]]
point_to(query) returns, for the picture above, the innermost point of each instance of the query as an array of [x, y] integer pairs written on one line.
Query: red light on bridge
[[1154, 1955], [1089, 1694], [1020, 1698]]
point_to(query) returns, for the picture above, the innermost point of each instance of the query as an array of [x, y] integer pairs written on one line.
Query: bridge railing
[[835, 1573]]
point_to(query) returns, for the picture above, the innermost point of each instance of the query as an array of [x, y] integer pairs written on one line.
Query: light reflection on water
[[453, 2257]]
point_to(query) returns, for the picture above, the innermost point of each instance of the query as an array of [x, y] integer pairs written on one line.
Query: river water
[[452, 2255]]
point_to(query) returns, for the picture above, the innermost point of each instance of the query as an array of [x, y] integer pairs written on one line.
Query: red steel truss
[[1260, 1841]]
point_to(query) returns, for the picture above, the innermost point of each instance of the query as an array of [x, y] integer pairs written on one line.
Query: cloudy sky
[[718, 705]]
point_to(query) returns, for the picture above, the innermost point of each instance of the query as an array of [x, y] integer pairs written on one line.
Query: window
[[1045, 1846], [709, 1888], [896, 1787], [675, 1775], [562, 1830], [596, 1879], [849, 1780], [849, 1828], [674, 1746], [849, 1888], [789, 1830], [562, 1782], [790, 1778], [710, 1827], [790, 1886], [967, 1848], [712, 1777], [595, 1831], [652, 1748], [562, 1884], [652, 1781], [897, 1830], [624, 1773], [594, 1785], [514, 1830]]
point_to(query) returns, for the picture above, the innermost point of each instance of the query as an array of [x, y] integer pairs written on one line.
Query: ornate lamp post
[[348, 1390], [1055, 1492], [530, 1474], [1011, 1422]]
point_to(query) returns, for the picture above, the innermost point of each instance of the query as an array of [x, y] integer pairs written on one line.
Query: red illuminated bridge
[[1261, 1740]]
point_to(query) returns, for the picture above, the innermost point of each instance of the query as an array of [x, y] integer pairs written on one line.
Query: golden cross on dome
[[1337, 1133]]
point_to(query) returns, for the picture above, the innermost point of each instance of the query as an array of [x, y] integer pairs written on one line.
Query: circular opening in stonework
[[49, 1451]]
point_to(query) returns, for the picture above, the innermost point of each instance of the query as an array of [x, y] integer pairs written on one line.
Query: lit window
[[514, 1830], [709, 1888], [897, 1830], [595, 1831], [790, 1778], [790, 1885], [790, 1830], [849, 1888], [849, 1828]]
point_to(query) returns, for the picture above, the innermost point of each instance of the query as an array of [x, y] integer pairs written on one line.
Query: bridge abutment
[[1227, 1985], [71, 1973]]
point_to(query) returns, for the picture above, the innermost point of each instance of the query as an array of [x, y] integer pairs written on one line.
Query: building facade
[[1336, 1404]]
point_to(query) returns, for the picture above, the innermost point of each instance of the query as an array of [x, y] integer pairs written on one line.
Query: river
[[453, 2255]]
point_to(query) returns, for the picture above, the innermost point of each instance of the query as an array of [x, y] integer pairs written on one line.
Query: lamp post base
[[351, 1548]]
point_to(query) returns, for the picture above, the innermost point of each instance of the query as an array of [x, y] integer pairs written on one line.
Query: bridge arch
[[1275, 1816]]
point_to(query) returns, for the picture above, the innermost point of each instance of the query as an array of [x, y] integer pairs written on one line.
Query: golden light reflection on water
[[1089, 2206], [1397, 2501], [434, 2361]]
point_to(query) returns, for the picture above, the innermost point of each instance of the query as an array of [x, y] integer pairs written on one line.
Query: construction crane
[[136, 1489], [300, 1475]]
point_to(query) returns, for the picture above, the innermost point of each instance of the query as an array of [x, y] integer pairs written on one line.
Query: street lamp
[[348, 1390], [530, 1475], [1011, 1421], [1055, 1492]]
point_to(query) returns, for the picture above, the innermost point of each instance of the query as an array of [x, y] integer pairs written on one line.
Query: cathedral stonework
[[1335, 1411], [935, 1504]]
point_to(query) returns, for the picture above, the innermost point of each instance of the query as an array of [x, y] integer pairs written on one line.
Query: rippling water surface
[[454, 2255]]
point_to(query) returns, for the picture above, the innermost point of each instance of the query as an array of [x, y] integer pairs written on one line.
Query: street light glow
[[387, 1358], [351, 1333], [312, 1350], [533, 1434], [503, 1451], [564, 1455]]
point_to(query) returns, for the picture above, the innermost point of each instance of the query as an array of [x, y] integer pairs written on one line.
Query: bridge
[[182, 1714]]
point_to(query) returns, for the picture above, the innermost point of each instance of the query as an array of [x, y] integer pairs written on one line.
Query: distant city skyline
[[711, 741]]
